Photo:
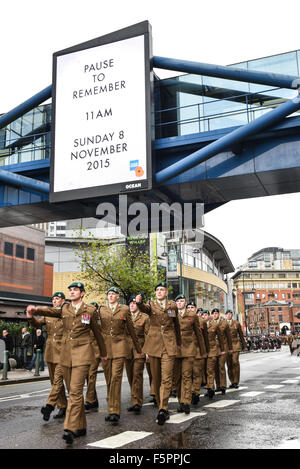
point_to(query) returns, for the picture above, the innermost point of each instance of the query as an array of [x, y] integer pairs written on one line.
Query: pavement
[[19, 375]]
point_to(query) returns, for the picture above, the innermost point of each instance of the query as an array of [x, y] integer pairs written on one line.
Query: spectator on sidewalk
[[38, 344], [25, 344], [9, 344]]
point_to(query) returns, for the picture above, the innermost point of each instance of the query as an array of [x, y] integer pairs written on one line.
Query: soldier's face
[[205, 316], [181, 303], [191, 309], [57, 301], [133, 307], [229, 316], [161, 293], [216, 316], [75, 293], [112, 297]]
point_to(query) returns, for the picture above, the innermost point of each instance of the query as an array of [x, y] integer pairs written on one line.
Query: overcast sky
[[220, 32]]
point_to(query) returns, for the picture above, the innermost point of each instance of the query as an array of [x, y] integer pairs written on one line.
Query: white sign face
[[100, 118]]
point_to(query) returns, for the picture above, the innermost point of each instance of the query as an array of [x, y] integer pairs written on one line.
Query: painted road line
[[181, 418], [220, 404], [119, 440], [238, 389], [274, 386], [252, 393], [292, 443], [290, 381]]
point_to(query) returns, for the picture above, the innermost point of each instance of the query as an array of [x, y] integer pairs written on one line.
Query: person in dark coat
[[38, 344], [9, 344]]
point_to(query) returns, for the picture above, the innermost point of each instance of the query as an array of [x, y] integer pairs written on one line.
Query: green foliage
[[105, 264]]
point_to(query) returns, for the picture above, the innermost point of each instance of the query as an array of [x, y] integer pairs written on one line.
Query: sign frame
[[95, 192]]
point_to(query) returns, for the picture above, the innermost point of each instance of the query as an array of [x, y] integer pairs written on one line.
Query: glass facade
[[193, 103]]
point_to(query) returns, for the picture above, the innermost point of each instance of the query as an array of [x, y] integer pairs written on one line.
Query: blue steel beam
[[231, 73], [22, 181], [26, 106], [224, 143]]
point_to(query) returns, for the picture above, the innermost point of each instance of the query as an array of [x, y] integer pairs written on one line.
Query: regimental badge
[[122, 317], [85, 318], [171, 313], [189, 319], [140, 324], [213, 330]]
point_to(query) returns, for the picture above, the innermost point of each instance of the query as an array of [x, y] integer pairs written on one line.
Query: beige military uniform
[[221, 359], [161, 345], [199, 375], [190, 334], [233, 364], [91, 393], [113, 324], [54, 329], [215, 348], [77, 354], [135, 365]]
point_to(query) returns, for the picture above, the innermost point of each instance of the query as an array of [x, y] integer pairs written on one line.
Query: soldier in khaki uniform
[[221, 381], [91, 399], [162, 345], [237, 337], [134, 364], [190, 334], [54, 329], [200, 360], [77, 353], [216, 348], [115, 321]]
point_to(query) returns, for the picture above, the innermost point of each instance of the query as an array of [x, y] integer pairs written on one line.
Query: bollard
[[37, 363], [5, 364]]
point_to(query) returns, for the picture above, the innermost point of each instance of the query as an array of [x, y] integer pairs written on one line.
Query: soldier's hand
[[138, 298], [141, 355], [147, 358], [230, 351], [30, 310], [104, 358], [222, 353]]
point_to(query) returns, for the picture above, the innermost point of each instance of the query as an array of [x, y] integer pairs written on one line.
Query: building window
[[30, 254], [280, 317], [283, 296], [8, 248], [294, 285], [19, 251], [258, 295], [289, 296], [263, 295]]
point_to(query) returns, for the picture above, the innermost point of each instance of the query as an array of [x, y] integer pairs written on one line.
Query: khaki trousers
[[233, 366], [221, 371], [199, 374], [148, 367], [75, 415], [184, 379], [57, 395], [211, 372], [91, 393], [113, 372], [162, 376], [135, 375]]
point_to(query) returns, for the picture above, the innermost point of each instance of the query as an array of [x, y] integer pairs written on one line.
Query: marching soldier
[[54, 329], [216, 348], [221, 359], [162, 345], [190, 334], [91, 399], [134, 364], [200, 360], [76, 353], [237, 337], [115, 320]]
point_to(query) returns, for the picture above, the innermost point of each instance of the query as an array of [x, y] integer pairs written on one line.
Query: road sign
[[101, 116]]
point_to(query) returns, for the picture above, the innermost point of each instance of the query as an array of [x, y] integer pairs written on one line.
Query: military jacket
[[141, 325], [215, 339], [164, 330], [114, 326], [237, 335], [77, 344], [226, 336], [54, 329], [190, 335], [203, 328]]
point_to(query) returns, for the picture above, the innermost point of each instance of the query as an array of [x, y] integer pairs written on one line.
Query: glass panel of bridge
[[190, 103]]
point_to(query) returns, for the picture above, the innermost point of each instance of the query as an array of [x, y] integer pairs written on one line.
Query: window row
[[19, 251]]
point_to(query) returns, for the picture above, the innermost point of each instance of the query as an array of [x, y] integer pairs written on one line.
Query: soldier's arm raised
[[142, 306], [43, 311], [37, 322]]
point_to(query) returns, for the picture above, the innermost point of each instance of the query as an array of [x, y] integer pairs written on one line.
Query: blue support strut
[[224, 143], [231, 73], [24, 182]]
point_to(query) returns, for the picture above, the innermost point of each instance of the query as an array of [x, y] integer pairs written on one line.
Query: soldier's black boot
[[236, 386], [180, 408], [210, 393], [68, 436], [46, 411], [162, 416], [195, 399], [223, 390], [135, 408], [60, 414], [186, 408], [114, 418], [231, 386], [91, 406]]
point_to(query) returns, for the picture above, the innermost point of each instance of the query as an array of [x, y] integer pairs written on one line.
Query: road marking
[[233, 390], [220, 404], [119, 440], [181, 418], [252, 393], [289, 444], [274, 386], [290, 381]]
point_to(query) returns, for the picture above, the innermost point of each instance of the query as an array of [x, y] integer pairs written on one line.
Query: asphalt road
[[264, 413]]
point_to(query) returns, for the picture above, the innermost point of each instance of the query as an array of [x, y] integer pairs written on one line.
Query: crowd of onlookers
[[23, 348]]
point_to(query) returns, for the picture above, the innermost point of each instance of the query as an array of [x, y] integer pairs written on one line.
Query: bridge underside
[[267, 164]]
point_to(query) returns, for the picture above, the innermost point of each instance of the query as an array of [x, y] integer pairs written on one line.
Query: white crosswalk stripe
[[221, 404], [252, 393], [290, 381], [274, 386], [120, 440], [181, 418]]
